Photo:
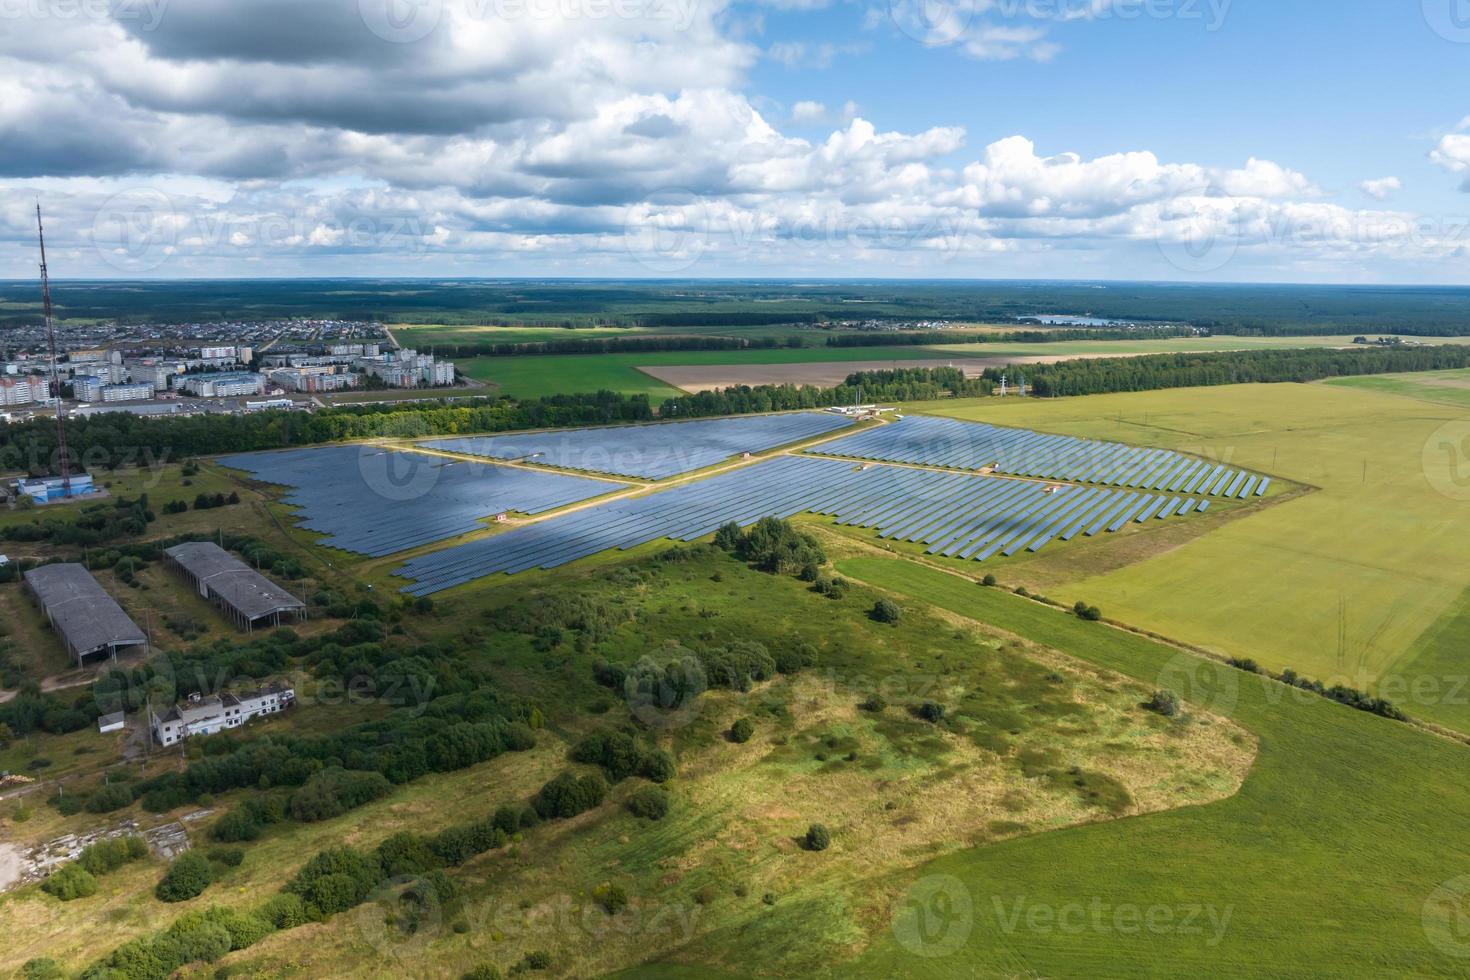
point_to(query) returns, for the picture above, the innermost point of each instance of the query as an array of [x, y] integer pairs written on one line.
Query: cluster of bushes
[[195, 937], [773, 545], [78, 879], [550, 620], [1342, 694], [1350, 696], [332, 792], [209, 501], [94, 525], [831, 586], [454, 732], [567, 795], [335, 880], [620, 756], [1090, 613]]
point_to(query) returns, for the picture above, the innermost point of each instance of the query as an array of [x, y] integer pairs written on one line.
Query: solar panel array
[[651, 452], [930, 441], [958, 515], [374, 502]]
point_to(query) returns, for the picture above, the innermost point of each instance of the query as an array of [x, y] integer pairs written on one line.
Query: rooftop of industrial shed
[[245, 589], [81, 609]]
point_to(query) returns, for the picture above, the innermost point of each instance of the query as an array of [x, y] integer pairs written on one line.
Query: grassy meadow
[[1031, 742]]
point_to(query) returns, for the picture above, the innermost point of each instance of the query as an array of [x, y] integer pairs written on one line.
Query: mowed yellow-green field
[[1362, 582]]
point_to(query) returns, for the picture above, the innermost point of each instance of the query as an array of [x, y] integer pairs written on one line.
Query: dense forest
[[926, 338], [1092, 377], [743, 304]]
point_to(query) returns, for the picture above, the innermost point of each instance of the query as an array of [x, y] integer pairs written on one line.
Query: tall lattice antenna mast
[[65, 456]]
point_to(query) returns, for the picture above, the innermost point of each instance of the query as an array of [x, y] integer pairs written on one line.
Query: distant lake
[[1066, 320]]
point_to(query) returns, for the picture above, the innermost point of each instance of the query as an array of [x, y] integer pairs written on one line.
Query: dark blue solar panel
[[650, 452], [951, 443], [375, 502], [963, 516]]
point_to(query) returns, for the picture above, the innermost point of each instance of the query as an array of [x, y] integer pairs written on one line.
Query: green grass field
[[1350, 582], [1446, 387], [529, 377], [1326, 861]]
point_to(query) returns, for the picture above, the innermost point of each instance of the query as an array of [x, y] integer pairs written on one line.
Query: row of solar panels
[[375, 502], [930, 441], [959, 515], [651, 452]]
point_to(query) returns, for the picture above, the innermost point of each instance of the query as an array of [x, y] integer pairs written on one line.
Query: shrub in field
[[69, 882], [567, 795], [649, 802], [742, 730], [930, 711], [186, 878], [817, 838], [1164, 703], [886, 611]]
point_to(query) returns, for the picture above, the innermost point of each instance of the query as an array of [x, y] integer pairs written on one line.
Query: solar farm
[[959, 490], [952, 444], [375, 502], [955, 515], [651, 452]]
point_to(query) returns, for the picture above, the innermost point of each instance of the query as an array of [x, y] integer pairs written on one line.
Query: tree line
[[1093, 377], [611, 345], [929, 338]]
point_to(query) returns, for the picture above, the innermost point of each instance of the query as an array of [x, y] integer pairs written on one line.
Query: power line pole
[[65, 456]]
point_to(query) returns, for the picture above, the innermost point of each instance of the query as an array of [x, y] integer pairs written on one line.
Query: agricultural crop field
[[1373, 552], [529, 377], [663, 374]]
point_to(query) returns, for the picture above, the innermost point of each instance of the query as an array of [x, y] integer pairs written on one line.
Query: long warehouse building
[[241, 592], [88, 620]]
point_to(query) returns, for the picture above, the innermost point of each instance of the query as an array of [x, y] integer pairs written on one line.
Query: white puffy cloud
[[1382, 188], [260, 135]]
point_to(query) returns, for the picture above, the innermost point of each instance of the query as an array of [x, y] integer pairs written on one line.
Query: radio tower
[[65, 456]]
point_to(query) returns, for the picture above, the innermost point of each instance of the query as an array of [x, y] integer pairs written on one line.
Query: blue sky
[[1173, 139]]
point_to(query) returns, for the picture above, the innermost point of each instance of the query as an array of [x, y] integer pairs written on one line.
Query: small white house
[[111, 723]]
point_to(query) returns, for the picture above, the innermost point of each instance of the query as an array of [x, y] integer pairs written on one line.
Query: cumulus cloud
[[1382, 188], [260, 135]]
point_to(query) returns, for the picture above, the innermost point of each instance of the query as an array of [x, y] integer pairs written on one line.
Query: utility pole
[[64, 455]]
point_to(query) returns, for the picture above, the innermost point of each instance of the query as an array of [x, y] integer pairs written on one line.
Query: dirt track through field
[[829, 374]]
